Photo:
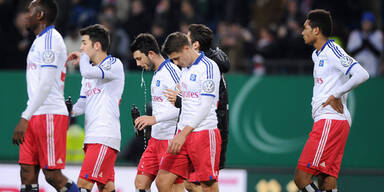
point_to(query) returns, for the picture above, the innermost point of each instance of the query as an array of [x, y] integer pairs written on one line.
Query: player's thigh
[[204, 152], [326, 182], [98, 164], [52, 140], [85, 184]]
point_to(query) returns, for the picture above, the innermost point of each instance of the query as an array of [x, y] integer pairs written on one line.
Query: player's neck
[[194, 55], [320, 43], [99, 58], [40, 28], [158, 60]]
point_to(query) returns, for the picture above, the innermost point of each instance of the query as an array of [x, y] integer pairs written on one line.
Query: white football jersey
[[166, 114], [331, 70], [47, 50], [201, 79], [102, 99]]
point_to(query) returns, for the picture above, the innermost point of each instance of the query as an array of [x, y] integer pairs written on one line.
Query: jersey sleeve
[[79, 106], [341, 60], [110, 69], [51, 52], [171, 79], [208, 76]]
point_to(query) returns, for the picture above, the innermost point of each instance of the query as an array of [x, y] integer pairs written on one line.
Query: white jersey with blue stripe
[[47, 50], [102, 92], [331, 70], [201, 79], [167, 76]]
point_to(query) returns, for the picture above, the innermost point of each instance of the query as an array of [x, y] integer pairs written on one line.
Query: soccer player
[[41, 132], [201, 38], [335, 74], [100, 95], [197, 144], [146, 52]]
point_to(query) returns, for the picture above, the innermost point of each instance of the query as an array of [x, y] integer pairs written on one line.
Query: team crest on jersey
[[321, 63], [193, 77], [106, 65], [208, 86], [346, 61], [158, 83], [48, 56]]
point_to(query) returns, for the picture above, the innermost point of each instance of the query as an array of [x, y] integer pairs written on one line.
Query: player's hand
[[172, 94], [335, 103], [74, 57], [143, 121], [19, 132], [176, 143]]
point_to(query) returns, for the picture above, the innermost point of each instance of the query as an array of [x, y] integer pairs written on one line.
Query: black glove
[[69, 104]]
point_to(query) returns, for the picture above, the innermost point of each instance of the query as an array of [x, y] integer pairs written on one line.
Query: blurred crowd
[[260, 36]]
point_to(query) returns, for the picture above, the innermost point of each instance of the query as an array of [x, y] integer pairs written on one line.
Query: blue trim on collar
[[108, 56], [46, 29], [325, 44], [162, 64], [198, 59]]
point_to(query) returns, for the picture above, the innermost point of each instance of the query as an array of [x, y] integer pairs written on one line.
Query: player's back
[[48, 50], [166, 77]]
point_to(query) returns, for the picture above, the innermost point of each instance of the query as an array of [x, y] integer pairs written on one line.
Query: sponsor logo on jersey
[[192, 77], [319, 80], [190, 94], [93, 91], [31, 66], [157, 98], [321, 63]]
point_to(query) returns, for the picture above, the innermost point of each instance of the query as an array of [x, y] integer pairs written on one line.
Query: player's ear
[[40, 15], [196, 45]]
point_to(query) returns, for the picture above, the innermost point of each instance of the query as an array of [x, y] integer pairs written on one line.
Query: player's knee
[[162, 183], [141, 184]]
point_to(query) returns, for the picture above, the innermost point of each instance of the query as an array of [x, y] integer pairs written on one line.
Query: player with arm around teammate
[[100, 96], [166, 75], [42, 130], [335, 74]]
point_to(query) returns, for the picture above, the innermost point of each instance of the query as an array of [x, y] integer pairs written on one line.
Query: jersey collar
[[162, 64], [45, 30], [325, 44], [198, 59]]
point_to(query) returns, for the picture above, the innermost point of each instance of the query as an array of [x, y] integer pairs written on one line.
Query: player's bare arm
[[19, 132], [143, 121], [171, 95], [335, 103]]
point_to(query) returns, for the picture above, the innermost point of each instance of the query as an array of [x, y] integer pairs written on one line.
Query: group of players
[[189, 105]]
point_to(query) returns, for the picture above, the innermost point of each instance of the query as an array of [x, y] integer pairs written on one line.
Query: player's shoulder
[[333, 50], [111, 62], [170, 71]]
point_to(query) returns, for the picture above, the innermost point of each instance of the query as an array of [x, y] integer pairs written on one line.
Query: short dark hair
[[50, 10], [175, 42], [145, 42], [322, 19], [202, 34], [97, 33]]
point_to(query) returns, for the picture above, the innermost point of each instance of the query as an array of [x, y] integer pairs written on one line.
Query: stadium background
[[270, 87]]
